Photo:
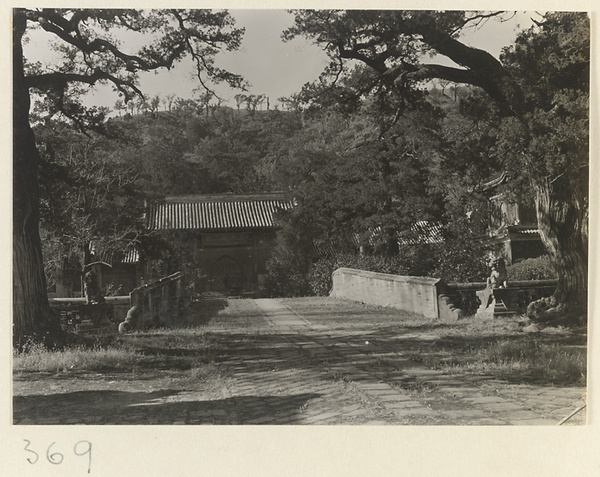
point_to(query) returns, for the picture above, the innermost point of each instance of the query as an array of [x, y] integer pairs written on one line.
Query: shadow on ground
[[159, 407], [202, 311]]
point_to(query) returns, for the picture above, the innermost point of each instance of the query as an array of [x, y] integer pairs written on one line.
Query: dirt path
[[276, 367]]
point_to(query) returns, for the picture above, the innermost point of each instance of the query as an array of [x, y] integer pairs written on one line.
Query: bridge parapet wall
[[413, 294], [517, 295], [430, 297]]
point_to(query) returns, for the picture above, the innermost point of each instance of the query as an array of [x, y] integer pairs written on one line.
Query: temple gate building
[[229, 237]]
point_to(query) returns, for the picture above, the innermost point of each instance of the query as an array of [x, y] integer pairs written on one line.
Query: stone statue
[[127, 325], [93, 293], [498, 279]]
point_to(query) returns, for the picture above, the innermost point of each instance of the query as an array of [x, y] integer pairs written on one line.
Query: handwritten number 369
[[80, 449]]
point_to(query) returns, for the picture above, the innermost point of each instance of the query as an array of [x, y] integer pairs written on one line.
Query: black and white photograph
[[298, 218]]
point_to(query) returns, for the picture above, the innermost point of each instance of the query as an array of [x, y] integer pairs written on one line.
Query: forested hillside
[[345, 178]]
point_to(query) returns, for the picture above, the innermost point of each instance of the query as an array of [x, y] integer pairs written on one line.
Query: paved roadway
[[292, 371]]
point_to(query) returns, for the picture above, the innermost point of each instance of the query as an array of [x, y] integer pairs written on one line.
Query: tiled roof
[[130, 256], [420, 232], [523, 230], [423, 232], [216, 212], [331, 248]]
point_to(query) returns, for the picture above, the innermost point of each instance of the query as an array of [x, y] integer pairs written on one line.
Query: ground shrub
[[460, 258], [320, 276], [452, 262], [539, 268], [460, 261], [286, 274]]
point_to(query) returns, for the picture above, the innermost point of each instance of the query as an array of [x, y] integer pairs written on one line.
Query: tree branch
[[132, 62], [431, 71], [376, 63], [477, 20]]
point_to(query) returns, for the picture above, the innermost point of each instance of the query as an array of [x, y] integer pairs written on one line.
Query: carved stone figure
[[498, 279], [127, 325], [93, 293]]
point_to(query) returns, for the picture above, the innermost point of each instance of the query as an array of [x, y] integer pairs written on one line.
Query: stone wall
[[157, 302], [414, 294], [517, 296]]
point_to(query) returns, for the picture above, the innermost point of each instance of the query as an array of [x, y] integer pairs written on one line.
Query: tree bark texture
[[31, 312], [562, 224]]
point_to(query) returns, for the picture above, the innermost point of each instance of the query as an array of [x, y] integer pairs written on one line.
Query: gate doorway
[[226, 276]]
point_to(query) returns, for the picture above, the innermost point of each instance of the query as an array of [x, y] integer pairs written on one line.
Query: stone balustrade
[[431, 297], [516, 296], [414, 294]]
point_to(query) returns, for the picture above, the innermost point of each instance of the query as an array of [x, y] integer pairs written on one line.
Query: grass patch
[[189, 351], [37, 358], [151, 350], [189, 339], [529, 360], [471, 346], [205, 372]]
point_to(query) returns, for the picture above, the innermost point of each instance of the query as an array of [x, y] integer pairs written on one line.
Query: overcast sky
[[273, 68]]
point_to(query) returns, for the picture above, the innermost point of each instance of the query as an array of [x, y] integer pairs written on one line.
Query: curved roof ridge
[[226, 197]]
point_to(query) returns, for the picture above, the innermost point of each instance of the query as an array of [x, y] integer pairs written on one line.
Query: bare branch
[[478, 20]]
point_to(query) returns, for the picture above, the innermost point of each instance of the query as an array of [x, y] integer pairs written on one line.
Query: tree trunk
[[562, 222], [31, 312]]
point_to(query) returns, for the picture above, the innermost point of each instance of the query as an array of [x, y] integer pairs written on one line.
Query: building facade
[[513, 228], [229, 237]]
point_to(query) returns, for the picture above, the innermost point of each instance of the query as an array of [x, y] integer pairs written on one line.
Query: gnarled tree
[[541, 88], [90, 53]]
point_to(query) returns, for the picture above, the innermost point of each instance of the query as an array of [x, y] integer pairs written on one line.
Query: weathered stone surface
[[413, 294]]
